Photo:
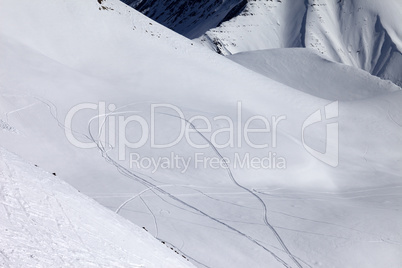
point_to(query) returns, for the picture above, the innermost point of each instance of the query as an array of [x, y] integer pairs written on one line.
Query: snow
[[44, 222], [189, 18], [289, 66], [64, 53], [358, 33]]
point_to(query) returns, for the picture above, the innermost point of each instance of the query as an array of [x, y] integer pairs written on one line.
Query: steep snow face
[[189, 18], [261, 25], [44, 222], [364, 34], [306, 70], [359, 33]]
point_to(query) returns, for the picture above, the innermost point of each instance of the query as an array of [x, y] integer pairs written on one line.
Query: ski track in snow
[[229, 171], [21, 109], [297, 222], [153, 216], [151, 186], [124, 171]]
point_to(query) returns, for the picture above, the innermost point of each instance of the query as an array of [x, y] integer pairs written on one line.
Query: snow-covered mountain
[[189, 18], [79, 81], [359, 33]]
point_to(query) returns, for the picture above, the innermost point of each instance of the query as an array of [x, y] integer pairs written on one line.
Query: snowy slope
[[320, 77], [189, 18], [46, 223], [359, 33], [261, 25], [64, 53]]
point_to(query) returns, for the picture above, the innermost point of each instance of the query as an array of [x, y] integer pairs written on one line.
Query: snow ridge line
[[189, 257]]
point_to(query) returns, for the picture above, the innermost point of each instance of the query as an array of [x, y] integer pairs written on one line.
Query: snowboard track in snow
[[229, 171], [150, 186]]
